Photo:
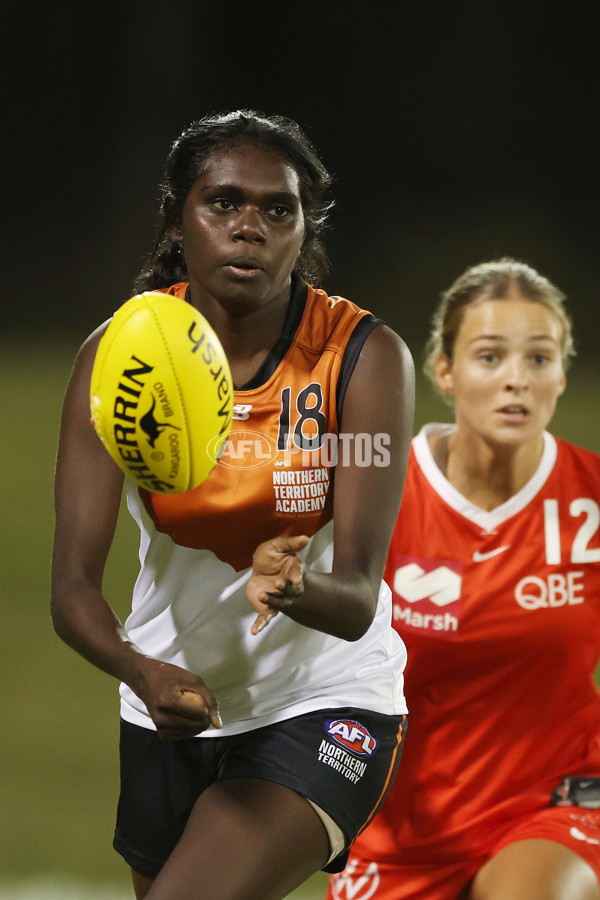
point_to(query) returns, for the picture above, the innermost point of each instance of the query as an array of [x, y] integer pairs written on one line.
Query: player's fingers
[[282, 545], [257, 592], [262, 621], [290, 543], [298, 542], [296, 573], [198, 708]]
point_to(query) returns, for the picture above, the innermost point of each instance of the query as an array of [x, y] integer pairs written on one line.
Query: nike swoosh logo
[[580, 836], [480, 557]]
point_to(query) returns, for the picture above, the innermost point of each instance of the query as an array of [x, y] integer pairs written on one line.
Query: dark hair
[[492, 281], [166, 263]]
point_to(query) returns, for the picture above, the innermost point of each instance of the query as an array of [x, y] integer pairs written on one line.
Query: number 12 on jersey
[[581, 552]]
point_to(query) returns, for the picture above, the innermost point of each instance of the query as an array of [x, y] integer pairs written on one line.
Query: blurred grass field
[[58, 748]]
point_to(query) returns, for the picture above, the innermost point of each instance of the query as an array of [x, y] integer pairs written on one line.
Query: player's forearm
[[83, 620], [340, 605]]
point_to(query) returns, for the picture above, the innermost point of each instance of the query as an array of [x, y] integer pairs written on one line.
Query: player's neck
[[485, 474], [247, 334]]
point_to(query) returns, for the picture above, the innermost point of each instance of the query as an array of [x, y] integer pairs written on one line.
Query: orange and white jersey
[[273, 476], [500, 613]]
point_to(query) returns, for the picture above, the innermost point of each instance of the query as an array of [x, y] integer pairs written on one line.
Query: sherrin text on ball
[[161, 393]]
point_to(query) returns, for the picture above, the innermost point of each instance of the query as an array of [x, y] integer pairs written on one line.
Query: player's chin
[[243, 291], [234, 281]]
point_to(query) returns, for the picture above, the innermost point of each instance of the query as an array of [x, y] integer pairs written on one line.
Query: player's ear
[[443, 374], [562, 384]]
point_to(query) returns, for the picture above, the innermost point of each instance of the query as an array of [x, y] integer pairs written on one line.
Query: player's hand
[[179, 702], [277, 577]]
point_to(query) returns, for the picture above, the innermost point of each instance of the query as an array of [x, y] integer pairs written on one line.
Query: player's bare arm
[[87, 498]]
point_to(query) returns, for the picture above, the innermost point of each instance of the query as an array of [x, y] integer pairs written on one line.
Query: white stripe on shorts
[[337, 839]]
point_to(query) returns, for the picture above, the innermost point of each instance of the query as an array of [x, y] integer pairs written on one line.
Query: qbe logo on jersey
[[350, 747], [427, 595]]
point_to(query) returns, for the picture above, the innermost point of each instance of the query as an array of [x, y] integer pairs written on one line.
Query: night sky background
[[456, 132]]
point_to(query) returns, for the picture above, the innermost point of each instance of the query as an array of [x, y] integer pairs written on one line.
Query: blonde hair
[[492, 281]]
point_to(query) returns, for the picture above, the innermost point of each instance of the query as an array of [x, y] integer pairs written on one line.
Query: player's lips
[[244, 265], [514, 412]]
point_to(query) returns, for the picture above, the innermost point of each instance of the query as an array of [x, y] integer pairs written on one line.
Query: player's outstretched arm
[[377, 419], [88, 490]]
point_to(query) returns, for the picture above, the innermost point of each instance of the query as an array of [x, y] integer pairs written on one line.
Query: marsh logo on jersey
[[358, 881], [427, 595]]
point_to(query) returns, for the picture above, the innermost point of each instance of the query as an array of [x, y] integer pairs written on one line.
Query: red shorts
[[573, 827]]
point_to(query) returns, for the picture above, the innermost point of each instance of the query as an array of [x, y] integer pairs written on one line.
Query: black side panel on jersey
[[351, 354]]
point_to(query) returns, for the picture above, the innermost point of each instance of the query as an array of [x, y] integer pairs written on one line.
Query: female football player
[[495, 571], [261, 689]]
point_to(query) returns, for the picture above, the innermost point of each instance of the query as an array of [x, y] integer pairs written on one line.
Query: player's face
[[507, 372], [243, 228]]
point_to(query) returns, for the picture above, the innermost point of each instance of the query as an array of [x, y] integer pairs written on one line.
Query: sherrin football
[[161, 394]]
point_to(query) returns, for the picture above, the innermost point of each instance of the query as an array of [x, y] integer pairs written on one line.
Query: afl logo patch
[[351, 736]]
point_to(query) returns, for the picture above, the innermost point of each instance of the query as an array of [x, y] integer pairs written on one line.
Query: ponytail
[[165, 266]]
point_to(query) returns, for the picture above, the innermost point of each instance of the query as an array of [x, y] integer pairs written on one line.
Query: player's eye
[[222, 204], [279, 211]]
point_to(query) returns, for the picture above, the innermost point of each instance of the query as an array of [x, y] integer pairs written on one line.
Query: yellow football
[[161, 394]]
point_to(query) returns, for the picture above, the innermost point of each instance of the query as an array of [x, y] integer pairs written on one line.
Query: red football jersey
[[500, 613]]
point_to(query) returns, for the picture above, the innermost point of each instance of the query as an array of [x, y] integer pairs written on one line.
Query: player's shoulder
[[90, 344], [334, 322], [179, 289], [575, 463], [86, 354], [327, 310], [576, 454]]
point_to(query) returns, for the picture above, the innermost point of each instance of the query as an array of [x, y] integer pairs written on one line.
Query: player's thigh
[[343, 760], [160, 782], [246, 839], [538, 868]]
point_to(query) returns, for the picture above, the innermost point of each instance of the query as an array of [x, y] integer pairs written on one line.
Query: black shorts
[[344, 760]]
